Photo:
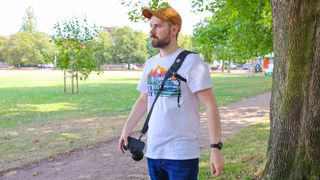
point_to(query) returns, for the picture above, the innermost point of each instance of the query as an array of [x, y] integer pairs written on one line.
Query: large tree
[[20, 49], [294, 145]]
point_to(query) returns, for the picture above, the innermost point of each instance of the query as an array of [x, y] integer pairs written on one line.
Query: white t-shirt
[[173, 131]]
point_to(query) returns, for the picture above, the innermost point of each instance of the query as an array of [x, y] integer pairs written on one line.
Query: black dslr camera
[[135, 146]]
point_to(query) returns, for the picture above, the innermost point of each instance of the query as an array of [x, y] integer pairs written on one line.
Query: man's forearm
[[214, 124], [138, 110], [207, 98]]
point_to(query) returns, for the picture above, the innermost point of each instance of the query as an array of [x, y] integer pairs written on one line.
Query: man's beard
[[160, 43]]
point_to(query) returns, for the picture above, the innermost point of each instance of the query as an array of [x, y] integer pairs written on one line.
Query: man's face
[[160, 33]]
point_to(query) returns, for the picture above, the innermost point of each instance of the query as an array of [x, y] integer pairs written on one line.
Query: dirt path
[[104, 162]]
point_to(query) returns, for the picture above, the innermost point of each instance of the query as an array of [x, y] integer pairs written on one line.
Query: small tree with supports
[[75, 42]]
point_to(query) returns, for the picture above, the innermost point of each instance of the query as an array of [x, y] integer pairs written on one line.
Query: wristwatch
[[218, 146]]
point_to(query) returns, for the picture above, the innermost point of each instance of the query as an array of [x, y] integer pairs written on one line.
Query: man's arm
[[207, 98], [138, 110]]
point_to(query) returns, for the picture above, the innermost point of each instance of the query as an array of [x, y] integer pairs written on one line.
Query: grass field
[[38, 120], [244, 153]]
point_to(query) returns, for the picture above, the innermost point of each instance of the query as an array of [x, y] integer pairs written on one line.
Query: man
[[173, 144]]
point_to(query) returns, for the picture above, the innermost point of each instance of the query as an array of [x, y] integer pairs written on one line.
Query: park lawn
[[244, 153], [38, 120]]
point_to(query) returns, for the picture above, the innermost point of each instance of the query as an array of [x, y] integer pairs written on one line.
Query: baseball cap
[[167, 14]]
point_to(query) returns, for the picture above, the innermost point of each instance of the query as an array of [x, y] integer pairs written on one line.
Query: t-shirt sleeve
[[198, 77]]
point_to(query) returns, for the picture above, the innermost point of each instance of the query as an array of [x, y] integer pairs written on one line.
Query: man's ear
[[175, 30]]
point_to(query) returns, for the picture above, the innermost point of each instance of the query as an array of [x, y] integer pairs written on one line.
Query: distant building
[[3, 65]]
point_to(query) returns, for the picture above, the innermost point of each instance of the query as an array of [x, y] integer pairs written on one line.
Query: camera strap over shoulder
[[172, 72]]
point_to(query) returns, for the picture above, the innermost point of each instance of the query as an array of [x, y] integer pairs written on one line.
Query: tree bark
[[77, 82], [65, 81], [72, 82], [294, 144]]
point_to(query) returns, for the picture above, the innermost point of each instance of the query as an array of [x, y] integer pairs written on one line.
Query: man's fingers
[[121, 145], [212, 169], [122, 142], [219, 171]]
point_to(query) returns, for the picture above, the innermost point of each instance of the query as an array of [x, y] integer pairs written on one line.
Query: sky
[[107, 13]]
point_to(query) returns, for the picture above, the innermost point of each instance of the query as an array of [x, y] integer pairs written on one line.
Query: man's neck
[[168, 50]]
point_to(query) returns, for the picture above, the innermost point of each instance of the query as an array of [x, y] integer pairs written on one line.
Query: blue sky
[[101, 12]]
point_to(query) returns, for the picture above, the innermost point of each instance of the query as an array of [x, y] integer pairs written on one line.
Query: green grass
[[38, 120], [34, 99], [38, 96], [244, 154]]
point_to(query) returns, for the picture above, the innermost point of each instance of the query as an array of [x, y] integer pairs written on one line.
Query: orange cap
[[167, 14]]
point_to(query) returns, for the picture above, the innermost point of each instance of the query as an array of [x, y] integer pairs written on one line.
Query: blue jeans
[[164, 169]]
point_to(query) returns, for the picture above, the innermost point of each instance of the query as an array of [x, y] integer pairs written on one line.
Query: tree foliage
[[104, 43], [3, 47], [75, 43], [237, 29], [29, 22], [128, 46], [184, 41], [25, 48], [135, 14]]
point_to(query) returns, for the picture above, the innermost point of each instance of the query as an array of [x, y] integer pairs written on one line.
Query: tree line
[[103, 45], [113, 46]]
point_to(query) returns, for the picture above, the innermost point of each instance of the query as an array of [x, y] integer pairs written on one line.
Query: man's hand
[[123, 141], [216, 162]]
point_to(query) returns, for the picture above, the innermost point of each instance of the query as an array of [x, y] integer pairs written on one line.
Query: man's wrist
[[216, 145]]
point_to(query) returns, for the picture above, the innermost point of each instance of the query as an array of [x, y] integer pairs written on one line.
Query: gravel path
[[104, 162]]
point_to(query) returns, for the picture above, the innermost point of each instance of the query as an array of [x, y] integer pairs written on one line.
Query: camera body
[[135, 146]]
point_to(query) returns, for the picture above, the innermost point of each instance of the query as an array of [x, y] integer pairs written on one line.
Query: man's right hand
[[123, 140]]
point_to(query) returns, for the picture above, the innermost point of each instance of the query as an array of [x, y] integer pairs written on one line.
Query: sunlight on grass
[[70, 136], [49, 107]]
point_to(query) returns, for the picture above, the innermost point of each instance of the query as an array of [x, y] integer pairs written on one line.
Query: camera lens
[[137, 155]]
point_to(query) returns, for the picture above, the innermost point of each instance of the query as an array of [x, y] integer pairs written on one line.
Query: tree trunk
[[77, 82], [72, 82], [65, 81], [222, 66], [294, 144]]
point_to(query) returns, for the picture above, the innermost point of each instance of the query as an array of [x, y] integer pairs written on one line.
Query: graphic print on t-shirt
[[154, 79]]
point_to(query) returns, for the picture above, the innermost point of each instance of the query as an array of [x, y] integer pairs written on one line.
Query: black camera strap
[[171, 72]]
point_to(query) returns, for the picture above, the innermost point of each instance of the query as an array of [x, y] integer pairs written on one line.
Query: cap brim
[[147, 13]]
